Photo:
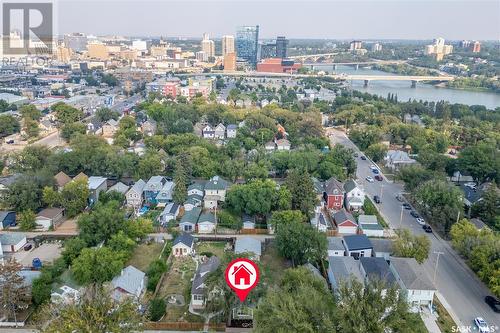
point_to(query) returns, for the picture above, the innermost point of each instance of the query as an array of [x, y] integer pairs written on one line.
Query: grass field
[[144, 254], [272, 265], [216, 248]]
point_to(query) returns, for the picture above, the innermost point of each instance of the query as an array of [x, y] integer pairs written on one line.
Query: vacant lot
[[216, 248], [272, 265], [144, 254], [178, 281]]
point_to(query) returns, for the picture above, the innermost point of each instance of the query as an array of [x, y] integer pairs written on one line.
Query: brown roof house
[[49, 217], [61, 180]]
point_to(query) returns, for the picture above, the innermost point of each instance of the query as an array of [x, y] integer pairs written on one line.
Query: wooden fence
[[254, 231], [332, 233], [183, 326]]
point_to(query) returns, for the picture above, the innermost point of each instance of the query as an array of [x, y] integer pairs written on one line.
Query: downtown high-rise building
[[281, 47], [227, 44], [76, 41], [208, 46], [247, 43]]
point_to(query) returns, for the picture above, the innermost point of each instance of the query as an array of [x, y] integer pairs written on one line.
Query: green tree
[[122, 243], [27, 220], [301, 187], [286, 217], [66, 114], [8, 125], [409, 246], [157, 308], [255, 197], [41, 288], [26, 192], [229, 220], [72, 249], [376, 151], [97, 265], [481, 161], [105, 114], [488, 209], [104, 221], [74, 197], [71, 129], [149, 165]]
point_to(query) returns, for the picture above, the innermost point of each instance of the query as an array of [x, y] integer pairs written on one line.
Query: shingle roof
[[129, 280], [138, 187], [191, 216], [185, 239], [11, 238], [170, 209], [95, 182], [357, 242], [217, 183], [196, 186], [62, 179], [4, 214], [370, 226], [232, 127], [342, 216], [81, 175], [50, 213], [377, 268], [381, 245], [154, 183], [411, 274], [345, 269], [206, 217], [248, 244], [333, 186], [119, 187], [350, 185], [198, 288], [367, 219]]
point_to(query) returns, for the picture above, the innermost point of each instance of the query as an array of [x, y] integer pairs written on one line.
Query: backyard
[[144, 254], [215, 248], [272, 265]]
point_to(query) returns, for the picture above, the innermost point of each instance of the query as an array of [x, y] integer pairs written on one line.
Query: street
[[454, 280]]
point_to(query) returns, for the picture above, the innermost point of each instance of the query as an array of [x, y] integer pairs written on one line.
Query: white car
[[420, 221], [370, 179], [471, 185], [482, 325]]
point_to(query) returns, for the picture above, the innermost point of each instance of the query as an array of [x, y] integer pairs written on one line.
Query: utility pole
[[435, 268]]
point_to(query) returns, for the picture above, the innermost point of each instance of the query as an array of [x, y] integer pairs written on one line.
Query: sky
[[327, 19]]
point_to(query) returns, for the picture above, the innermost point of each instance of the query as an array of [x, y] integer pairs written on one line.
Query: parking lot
[[46, 253]]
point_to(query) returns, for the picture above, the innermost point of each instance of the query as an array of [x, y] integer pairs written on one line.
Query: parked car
[[355, 154], [407, 206], [363, 157], [420, 221], [482, 326], [427, 228], [376, 198], [379, 178], [493, 303], [27, 247], [414, 214], [9, 142], [369, 179], [375, 171], [399, 197]]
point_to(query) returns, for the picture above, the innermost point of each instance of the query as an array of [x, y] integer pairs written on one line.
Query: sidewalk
[[430, 322], [448, 308]]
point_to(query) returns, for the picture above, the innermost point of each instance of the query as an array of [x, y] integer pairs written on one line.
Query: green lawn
[[216, 248], [144, 254], [445, 322], [272, 265]]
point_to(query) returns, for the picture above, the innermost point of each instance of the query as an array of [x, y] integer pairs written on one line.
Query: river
[[423, 91]]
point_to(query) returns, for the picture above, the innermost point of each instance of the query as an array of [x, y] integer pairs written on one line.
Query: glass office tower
[[247, 38], [281, 47]]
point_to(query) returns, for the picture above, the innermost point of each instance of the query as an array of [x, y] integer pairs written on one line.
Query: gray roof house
[[170, 212], [382, 248], [217, 186], [130, 283], [196, 188], [189, 219], [335, 247], [248, 244], [343, 269], [135, 194], [206, 223], [357, 246], [198, 285], [377, 268], [183, 245], [119, 187]]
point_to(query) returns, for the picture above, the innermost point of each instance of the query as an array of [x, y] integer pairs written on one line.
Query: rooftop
[[129, 279], [11, 238], [335, 244], [377, 268], [185, 239], [95, 182], [357, 242], [412, 274], [248, 244], [345, 268]]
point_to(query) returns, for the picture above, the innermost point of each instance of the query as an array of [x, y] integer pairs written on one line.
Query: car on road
[[482, 326], [420, 221], [28, 247], [355, 154], [493, 303], [363, 157], [376, 198], [375, 171], [414, 214], [379, 178], [9, 142], [427, 228], [369, 179], [407, 206]]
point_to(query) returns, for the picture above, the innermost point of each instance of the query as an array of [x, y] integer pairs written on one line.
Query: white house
[[231, 131], [198, 285], [220, 131], [248, 221], [210, 202], [169, 213], [354, 196], [134, 195], [183, 245], [335, 247], [49, 217], [396, 159], [189, 220], [370, 226], [217, 186], [319, 221], [12, 242], [195, 188], [357, 246], [208, 132], [346, 223], [382, 248], [206, 223], [248, 245], [283, 144], [413, 279], [130, 283], [96, 186], [270, 146]]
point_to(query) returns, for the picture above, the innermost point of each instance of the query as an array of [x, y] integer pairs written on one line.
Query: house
[[165, 195], [7, 219], [46, 127], [49, 217], [198, 285], [96, 186], [370, 226], [210, 201], [343, 270], [81, 176], [183, 245], [333, 194], [231, 131], [335, 247], [130, 283], [208, 132], [12, 242], [248, 245], [346, 223], [217, 186], [152, 188], [283, 144], [206, 223], [319, 221], [119, 187], [109, 128], [192, 201], [396, 159], [354, 196], [248, 221], [148, 127], [189, 220], [196, 188], [134, 195], [61, 180], [65, 295], [377, 269], [220, 131], [357, 246], [94, 126], [170, 212], [382, 248], [270, 146], [413, 279]]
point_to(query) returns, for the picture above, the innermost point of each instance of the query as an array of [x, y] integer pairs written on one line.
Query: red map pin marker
[[242, 275]]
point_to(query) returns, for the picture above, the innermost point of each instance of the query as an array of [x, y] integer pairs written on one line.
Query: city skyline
[[416, 20]]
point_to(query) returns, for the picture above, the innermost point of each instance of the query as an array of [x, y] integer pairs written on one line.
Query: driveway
[[456, 282], [47, 253]]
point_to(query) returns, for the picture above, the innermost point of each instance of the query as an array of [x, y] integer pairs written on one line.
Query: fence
[[254, 231], [183, 326], [332, 233]]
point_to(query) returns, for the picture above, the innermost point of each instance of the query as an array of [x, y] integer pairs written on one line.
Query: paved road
[[455, 281]]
